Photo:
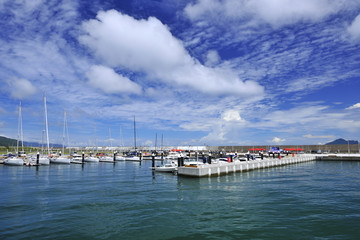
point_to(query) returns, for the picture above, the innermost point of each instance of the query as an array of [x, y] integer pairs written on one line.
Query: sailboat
[[44, 159], [62, 159], [120, 158], [17, 161], [92, 158], [134, 155]]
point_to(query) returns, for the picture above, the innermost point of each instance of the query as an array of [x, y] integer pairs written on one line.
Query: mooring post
[[37, 158], [83, 158], [153, 160]]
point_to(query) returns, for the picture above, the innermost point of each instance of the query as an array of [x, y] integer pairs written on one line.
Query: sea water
[[126, 200]]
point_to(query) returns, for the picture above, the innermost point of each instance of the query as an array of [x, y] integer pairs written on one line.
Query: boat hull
[[14, 162], [165, 169], [44, 161], [133, 159], [91, 159], [60, 161]]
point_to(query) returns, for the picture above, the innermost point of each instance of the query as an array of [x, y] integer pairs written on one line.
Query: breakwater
[[208, 170]]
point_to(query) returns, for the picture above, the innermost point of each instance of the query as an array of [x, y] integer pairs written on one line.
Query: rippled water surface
[[313, 200]]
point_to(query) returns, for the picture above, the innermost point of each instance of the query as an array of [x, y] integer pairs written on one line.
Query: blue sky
[[213, 72]]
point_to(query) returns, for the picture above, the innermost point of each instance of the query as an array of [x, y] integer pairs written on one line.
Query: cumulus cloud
[[278, 140], [354, 29], [21, 88], [357, 105], [274, 12], [231, 115], [109, 81], [147, 46]]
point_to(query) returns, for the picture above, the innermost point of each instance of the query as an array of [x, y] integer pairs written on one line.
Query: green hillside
[[4, 141]]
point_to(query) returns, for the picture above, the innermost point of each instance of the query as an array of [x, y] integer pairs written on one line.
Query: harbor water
[[126, 200]]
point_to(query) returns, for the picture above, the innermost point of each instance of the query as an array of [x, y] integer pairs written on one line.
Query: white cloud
[[231, 115], [109, 81], [212, 58], [21, 88], [278, 140], [357, 105], [285, 12], [320, 136], [354, 29], [274, 12], [148, 46]]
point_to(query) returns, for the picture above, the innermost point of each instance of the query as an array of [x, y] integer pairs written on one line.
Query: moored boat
[[91, 159], [14, 161], [60, 160], [167, 167]]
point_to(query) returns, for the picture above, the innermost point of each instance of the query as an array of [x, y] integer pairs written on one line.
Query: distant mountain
[[342, 141], [4, 141], [7, 142]]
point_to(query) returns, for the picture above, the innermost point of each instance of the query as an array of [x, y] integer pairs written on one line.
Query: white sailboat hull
[[60, 160], [120, 158], [165, 169], [106, 159], [44, 161], [14, 162], [132, 158], [91, 159]]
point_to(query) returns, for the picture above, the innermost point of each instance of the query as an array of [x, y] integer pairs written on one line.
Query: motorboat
[[14, 161], [170, 166]]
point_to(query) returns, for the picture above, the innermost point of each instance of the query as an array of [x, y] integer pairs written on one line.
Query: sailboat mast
[[162, 138], [21, 131], [67, 134], [155, 142], [121, 138], [63, 141], [18, 135], [134, 134], [46, 126], [42, 134], [110, 138]]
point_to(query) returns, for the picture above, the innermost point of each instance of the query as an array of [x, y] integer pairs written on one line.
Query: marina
[[127, 199]]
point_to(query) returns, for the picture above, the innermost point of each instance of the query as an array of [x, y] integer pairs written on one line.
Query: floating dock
[[339, 157], [208, 170]]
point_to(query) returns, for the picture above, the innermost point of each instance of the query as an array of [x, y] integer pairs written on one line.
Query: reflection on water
[[104, 200]]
